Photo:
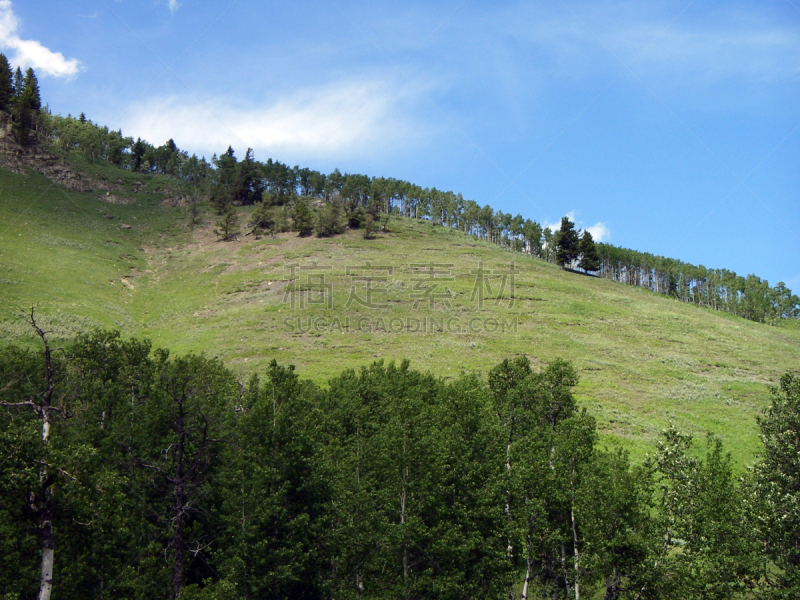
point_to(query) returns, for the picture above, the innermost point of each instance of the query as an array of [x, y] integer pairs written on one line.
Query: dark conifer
[[590, 260], [303, 219], [19, 83], [31, 88], [6, 84], [567, 242]]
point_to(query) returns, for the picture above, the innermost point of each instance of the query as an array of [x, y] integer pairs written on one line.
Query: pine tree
[[228, 225], [262, 219], [6, 85], [303, 219], [566, 243], [28, 103], [18, 83], [329, 220], [137, 153], [590, 260], [247, 187], [31, 85]]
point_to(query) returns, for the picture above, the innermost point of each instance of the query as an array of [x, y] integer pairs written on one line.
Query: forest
[[127, 472], [302, 199]]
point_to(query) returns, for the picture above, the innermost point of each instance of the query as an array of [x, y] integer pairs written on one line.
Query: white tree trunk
[[575, 546], [46, 579], [45, 525]]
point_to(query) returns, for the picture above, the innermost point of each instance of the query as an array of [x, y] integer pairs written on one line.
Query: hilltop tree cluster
[[128, 473], [338, 200], [20, 98]]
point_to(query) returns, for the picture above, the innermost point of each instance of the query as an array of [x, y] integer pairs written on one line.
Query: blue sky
[[668, 127]]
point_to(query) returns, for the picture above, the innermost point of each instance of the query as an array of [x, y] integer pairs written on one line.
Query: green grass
[[644, 360]]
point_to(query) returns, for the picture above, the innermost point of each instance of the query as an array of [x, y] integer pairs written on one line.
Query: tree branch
[[27, 403]]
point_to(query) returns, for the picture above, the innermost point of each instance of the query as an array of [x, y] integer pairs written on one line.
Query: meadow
[[326, 304]]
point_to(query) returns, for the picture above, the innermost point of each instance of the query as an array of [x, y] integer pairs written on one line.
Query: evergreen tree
[[137, 154], [329, 220], [27, 105], [228, 225], [6, 85], [31, 85], [303, 218], [262, 218], [590, 260], [369, 227], [247, 186], [18, 83], [566, 240]]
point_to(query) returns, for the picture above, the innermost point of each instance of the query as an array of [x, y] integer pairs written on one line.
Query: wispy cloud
[[694, 49], [30, 53], [173, 5], [344, 119]]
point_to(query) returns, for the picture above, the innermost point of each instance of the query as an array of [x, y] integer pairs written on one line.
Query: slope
[[644, 360]]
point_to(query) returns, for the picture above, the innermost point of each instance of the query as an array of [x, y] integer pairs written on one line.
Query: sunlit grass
[[644, 360]]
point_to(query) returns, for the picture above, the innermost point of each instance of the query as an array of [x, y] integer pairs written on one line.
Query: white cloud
[[30, 53], [600, 231], [173, 5], [340, 120]]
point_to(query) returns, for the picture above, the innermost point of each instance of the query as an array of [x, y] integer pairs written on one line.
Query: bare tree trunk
[[510, 543], [46, 541], [46, 538], [403, 522], [575, 546], [180, 501], [529, 561]]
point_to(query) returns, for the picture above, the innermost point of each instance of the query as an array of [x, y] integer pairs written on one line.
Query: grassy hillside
[[644, 360]]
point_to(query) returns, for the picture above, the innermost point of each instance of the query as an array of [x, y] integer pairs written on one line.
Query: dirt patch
[[19, 159], [112, 199], [175, 199]]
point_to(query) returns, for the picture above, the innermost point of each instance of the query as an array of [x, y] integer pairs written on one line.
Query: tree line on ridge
[[287, 196]]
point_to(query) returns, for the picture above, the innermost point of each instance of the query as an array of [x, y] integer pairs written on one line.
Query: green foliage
[[173, 480], [356, 216], [6, 85], [194, 212], [777, 485], [26, 105], [228, 226], [369, 227], [262, 218], [303, 218], [247, 186], [567, 243], [274, 524], [329, 219], [228, 181], [590, 260]]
